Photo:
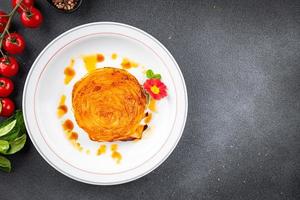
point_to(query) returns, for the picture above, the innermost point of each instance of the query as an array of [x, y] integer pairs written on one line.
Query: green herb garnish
[[151, 74], [12, 138], [5, 164]]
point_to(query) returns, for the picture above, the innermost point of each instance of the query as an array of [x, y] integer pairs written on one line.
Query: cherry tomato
[[31, 18], [13, 43], [8, 107], [6, 87], [9, 66], [24, 5], [3, 21]]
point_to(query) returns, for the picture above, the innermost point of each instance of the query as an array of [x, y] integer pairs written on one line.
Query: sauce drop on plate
[[62, 108], [68, 125], [73, 136], [90, 61], [127, 64], [101, 150], [114, 56], [69, 72], [115, 154], [76, 145], [114, 147], [100, 57], [152, 105]]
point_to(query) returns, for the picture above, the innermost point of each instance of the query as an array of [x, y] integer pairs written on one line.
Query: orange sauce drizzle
[[114, 56], [78, 146], [69, 72], [68, 125], [127, 64], [90, 61], [101, 150], [115, 154], [114, 147], [62, 109], [152, 105], [100, 57], [73, 136]]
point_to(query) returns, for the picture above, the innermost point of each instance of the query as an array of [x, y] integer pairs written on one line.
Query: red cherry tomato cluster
[[31, 17], [13, 43], [3, 21]]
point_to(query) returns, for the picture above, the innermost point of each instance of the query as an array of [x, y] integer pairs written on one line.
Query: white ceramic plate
[[44, 86]]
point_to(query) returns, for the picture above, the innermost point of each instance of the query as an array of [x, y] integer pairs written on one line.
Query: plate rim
[[113, 24]]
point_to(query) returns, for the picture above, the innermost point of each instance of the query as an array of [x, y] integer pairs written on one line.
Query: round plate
[[45, 85]]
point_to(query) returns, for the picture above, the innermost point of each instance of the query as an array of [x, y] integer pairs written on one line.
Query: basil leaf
[[6, 127], [13, 134], [149, 73], [18, 130], [5, 164], [4, 146], [156, 76], [16, 144], [20, 121]]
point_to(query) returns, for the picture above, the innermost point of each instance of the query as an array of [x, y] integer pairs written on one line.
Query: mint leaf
[[149, 73], [156, 76]]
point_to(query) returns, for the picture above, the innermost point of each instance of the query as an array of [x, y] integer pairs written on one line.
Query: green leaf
[[19, 128], [5, 164], [4, 146], [13, 134], [156, 76], [149, 73], [7, 126], [20, 121], [16, 144]]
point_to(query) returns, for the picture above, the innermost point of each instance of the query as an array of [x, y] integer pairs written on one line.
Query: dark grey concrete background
[[241, 63]]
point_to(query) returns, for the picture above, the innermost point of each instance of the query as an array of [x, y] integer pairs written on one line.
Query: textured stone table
[[241, 63]]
